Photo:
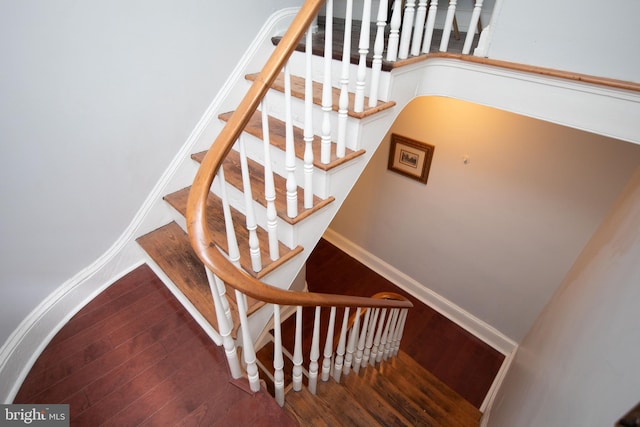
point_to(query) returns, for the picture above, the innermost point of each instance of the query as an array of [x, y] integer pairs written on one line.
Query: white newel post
[[315, 353], [421, 14], [361, 341], [278, 360], [308, 124], [339, 362], [269, 188], [327, 89], [407, 28], [351, 343], [343, 101], [394, 31], [248, 351], [224, 327], [378, 48], [448, 24], [363, 50], [297, 352], [431, 22], [328, 346], [290, 153], [252, 226], [473, 24]]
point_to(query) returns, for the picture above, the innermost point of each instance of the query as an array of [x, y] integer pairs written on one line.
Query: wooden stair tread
[[215, 221], [277, 139], [308, 410], [297, 91], [171, 250], [233, 175]]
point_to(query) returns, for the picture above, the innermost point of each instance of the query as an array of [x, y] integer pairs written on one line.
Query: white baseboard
[[464, 319]]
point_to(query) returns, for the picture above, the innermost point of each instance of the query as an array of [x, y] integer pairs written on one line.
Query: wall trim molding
[[30, 338], [464, 319]]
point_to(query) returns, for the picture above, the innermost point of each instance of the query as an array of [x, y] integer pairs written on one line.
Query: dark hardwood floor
[[134, 356]]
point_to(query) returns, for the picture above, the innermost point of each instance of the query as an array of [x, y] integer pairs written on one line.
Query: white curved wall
[[97, 97]]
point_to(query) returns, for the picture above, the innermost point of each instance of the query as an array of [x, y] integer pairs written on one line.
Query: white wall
[[589, 37], [578, 366], [496, 236], [96, 99]]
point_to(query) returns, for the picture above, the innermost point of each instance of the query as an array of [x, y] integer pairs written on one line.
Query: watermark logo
[[34, 415]]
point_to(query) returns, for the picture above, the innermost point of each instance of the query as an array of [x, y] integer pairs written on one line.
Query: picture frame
[[410, 158]]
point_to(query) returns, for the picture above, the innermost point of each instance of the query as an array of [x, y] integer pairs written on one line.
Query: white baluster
[[278, 361], [351, 343], [232, 241], [448, 23], [290, 153], [327, 89], [308, 124], [337, 367], [421, 14], [403, 319], [224, 327], [394, 31], [247, 344], [376, 341], [314, 355], [473, 24], [387, 337], [407, 27], [361, 341], [328, 346], [369, 341], [343, 101], [297, 352], [363, 50], [378, 48], [254, 243], [269, 188], [431, 22]]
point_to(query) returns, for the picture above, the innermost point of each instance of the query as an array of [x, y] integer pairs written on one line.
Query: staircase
[[265, 192]]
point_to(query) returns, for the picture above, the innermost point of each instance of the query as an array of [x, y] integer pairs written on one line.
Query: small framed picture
[[410, 158]]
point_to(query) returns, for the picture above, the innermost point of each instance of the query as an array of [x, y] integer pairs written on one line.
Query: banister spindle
[[278, 360], [378, 47], [369, 341], [394, 31], [407, 28], [351, 343], [327, 89], [328, 346], [387, 336], [232, 241], [248, 351], [308, 124], [339, 362], [297, 352], [421, 14], [224, 327], [314, 355], [343, 101], [448, 24], [376, 340], [290, 153], [252, 226], [473, 24], [269, 187], [361, 341], [400, 329], [363, 50], [431, 22]]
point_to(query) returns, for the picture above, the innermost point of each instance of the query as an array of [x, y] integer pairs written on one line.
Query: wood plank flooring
[[133, 355]]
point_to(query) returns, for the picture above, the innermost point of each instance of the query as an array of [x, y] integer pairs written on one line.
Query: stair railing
[[376, 329]]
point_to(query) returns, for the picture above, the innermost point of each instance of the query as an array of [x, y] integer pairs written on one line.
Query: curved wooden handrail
[[200, 236]]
